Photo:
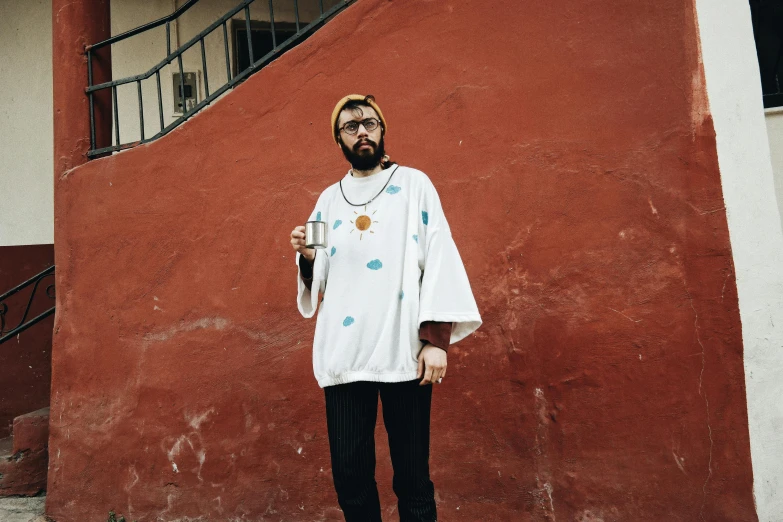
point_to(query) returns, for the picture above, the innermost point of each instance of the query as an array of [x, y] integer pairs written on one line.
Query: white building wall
[[26, 164], [734, 91]]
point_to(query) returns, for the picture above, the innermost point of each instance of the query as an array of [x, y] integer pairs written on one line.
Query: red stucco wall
[[25, 361], [575, 158]]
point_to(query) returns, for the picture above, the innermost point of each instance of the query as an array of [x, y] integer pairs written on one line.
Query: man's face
[[364, 149]]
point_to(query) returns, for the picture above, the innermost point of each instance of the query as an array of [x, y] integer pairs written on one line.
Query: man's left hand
[[432, 364]]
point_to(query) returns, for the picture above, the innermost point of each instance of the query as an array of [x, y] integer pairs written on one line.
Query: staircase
[[24, 455], [298, 31]]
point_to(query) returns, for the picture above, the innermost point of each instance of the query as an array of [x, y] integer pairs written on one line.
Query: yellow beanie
[[369, 100]]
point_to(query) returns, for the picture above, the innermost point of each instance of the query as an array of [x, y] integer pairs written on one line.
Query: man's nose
[[362, 131]]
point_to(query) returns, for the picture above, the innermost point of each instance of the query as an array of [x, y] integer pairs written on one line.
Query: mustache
[[364, 142]]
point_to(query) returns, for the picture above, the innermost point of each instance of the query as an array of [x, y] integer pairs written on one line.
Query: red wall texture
[[575, 157], [25, 361]]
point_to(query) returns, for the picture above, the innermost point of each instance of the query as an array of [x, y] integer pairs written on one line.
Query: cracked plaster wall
[[574, 152]]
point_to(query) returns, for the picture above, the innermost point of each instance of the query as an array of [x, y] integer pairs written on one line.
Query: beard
[[366, 159]]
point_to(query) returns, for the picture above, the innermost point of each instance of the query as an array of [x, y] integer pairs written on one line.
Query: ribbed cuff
[[306, 269], [436, 333]]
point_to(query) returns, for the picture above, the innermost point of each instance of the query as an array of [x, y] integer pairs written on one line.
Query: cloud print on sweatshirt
[[348, 321], [375, 264]]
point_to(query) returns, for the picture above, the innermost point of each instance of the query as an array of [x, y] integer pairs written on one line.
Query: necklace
[[373, 199]]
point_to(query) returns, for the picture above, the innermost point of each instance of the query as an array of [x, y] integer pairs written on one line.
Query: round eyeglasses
[[352, 127]]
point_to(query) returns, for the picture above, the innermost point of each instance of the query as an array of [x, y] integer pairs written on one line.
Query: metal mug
[[315, 234]]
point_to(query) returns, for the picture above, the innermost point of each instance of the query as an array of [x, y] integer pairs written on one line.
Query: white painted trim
[[734, 91]]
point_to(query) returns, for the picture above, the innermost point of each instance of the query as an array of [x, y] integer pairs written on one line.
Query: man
[[395, 295]]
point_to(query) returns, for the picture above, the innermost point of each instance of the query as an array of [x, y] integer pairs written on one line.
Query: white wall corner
[[734, 91]]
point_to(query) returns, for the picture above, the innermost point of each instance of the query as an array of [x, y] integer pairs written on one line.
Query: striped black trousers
[[351, 411]]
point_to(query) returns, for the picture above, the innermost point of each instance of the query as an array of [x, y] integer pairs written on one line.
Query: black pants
[[351, 411]]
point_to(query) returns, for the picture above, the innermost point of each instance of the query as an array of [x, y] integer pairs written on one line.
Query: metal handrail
[[172, 55], [151, 25], [35, 281], [255, 64]]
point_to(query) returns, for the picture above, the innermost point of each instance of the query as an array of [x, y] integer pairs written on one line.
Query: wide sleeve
[[307, 297], [445, 294]]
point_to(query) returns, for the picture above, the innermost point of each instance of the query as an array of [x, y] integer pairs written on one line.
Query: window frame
[[240, 25], [760, 13]]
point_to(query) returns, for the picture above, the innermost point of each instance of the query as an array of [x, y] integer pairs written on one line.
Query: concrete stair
[[23, 509], [24, 456]]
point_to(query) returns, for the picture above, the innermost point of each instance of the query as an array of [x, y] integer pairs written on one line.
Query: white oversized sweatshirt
[[388, 267]]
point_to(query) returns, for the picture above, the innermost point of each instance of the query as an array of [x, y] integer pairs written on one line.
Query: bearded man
[[395, 295]]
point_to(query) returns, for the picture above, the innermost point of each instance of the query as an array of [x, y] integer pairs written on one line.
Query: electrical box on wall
[[190, 97]]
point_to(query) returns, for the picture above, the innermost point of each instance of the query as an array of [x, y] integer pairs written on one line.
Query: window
[[261, 36], [767, 16]]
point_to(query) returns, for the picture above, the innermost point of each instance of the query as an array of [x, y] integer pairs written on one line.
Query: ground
[[22, 509]]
